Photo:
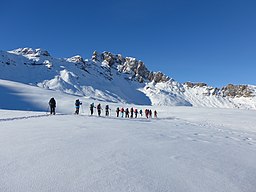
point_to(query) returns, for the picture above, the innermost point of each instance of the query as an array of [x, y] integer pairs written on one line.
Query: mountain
[[113, 78]]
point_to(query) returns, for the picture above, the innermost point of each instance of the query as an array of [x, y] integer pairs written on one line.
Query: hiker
[[150, 113], [141, 112], [131, 110], [135, 112], [99, 109], [122, 112], [107, 110], [126, 113], [52, 104], [91, 108], [77, 106], [117, 111], [155, 114], [146, 112]]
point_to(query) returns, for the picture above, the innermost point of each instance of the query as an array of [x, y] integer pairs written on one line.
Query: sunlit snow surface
[[184, 149]]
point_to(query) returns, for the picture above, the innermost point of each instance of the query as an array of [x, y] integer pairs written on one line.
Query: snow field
[[179, 151]]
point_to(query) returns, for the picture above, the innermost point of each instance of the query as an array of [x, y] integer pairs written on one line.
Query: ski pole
[[47, 110], [82, 108]]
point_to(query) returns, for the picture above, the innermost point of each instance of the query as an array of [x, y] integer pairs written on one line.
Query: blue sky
[[211, 41]]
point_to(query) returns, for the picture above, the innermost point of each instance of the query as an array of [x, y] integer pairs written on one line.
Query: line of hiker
[[120, 112], [133, 112]]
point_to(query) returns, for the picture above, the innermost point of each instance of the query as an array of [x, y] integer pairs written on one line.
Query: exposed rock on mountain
[[237, 91], [30, 51], [76, 59], [115, 78], [192, 85]]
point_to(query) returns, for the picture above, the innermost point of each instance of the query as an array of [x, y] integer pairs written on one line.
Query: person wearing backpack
[[135, 112], [117, 111], [99, 109], [131, 110], [150, 113], [91, 108], [52, 104], [122, 112], [155, 114], [107, 110], [77, 106], [141, 112], [146, 113], [126, 113]]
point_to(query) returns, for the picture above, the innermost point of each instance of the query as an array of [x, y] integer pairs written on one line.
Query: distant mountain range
[[115, 78]]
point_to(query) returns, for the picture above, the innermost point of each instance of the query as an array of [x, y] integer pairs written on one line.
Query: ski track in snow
[[26, 117], [219, 129], [22, 118]]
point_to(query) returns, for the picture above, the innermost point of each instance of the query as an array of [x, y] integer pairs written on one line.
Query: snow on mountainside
[[114, 78]]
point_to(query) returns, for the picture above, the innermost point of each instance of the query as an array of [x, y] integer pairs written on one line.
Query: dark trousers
[[77, 111], [52, 108]]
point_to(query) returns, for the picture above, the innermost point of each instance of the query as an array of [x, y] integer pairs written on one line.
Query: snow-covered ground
[[185, 149]]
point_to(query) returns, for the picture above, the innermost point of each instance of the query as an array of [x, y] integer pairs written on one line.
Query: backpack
[[52, 102], [77, 103]]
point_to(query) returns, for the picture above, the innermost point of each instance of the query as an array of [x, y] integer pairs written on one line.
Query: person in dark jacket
[[52, 104], [91, 108], [77, 106], [131, 110], [107, 110], [117, 111], [141, 112], [126, 113], [99, 109], [150, 113]]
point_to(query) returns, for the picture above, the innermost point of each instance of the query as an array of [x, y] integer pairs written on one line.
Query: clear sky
[[211, 41]]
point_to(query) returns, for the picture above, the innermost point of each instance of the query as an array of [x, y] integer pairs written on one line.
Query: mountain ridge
[[114, 78]]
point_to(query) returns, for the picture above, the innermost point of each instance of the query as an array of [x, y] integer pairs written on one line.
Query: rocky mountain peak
[[129, 65], [29, 51], [76, 59], [237, 91]]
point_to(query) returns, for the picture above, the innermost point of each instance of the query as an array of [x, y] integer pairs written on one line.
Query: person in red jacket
[[122, 112], [135, 112]]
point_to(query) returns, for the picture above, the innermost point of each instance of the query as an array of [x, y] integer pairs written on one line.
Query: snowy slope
[[113, 78], [180, 151], [185, 149]]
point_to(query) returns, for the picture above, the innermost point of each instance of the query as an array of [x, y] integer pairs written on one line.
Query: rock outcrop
[[237, 91], [30, 51], [192, 85]]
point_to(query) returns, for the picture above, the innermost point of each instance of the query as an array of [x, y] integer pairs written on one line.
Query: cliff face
[[237, 91], [129, 65]]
